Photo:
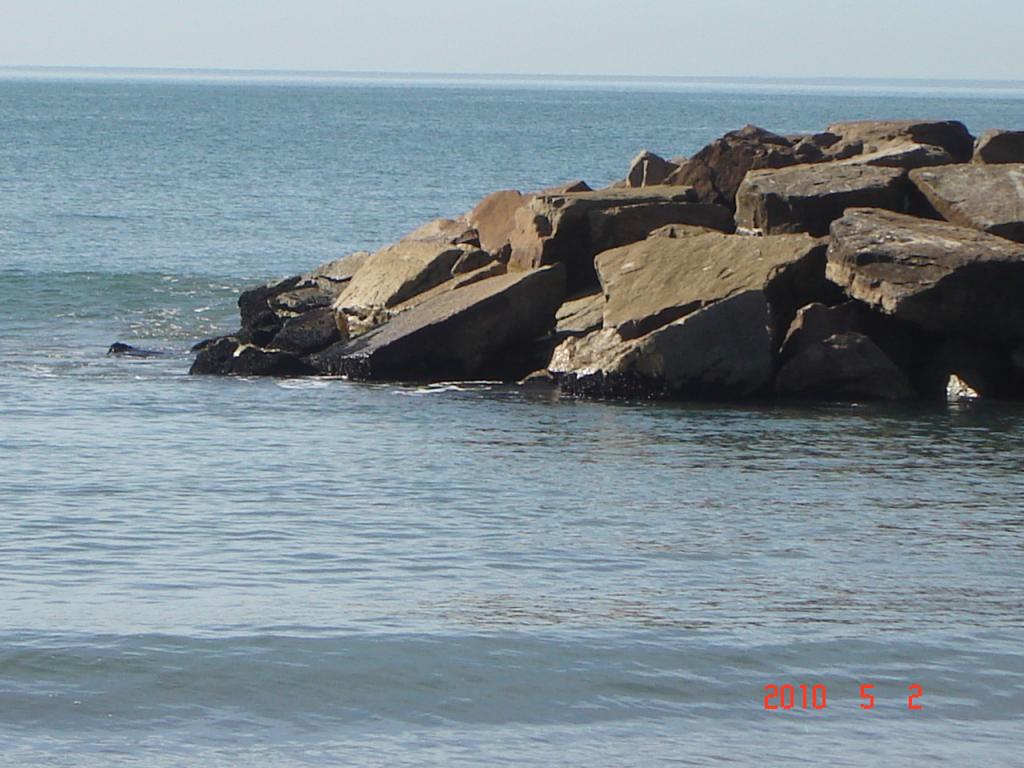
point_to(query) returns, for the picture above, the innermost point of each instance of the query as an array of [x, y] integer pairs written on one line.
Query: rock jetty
[[876, 260]]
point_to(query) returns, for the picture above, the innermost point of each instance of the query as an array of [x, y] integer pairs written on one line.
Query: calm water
[[229, 572]]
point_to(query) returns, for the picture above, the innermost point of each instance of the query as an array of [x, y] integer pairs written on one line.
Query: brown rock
[[580, 316], [845, 366], [808, 198], [873, 135], [648, 170], [902, 155], [659, 280], [722, 351], [816, 322], [494, 218], [457, 334], [985, 197], [554, 229], [995, 147], [717, 170], [936, 276]]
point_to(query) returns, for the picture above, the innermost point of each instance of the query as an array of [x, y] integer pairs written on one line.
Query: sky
[[932, 39]]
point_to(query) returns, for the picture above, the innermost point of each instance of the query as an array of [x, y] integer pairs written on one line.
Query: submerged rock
[[455, 334], [119, 349], [808, 198], [985, 197], [937, 276]]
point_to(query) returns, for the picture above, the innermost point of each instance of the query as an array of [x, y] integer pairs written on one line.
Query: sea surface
[[226, 572]]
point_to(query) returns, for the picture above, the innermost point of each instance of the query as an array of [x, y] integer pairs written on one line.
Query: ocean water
[[219, 572]]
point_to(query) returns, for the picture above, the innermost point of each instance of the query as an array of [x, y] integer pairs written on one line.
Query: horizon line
[[243, 71]]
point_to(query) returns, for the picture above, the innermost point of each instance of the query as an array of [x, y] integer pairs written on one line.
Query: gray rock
[[844, 366], [808, 198], [648, 170], [985, 197], [996, 146], [457, 334], [720, 352], [662, 279], [934, 275], [905, 155]]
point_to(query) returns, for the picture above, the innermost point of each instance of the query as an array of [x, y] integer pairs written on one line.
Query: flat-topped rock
[[902, 155], [985, 197], [844, 366], [873, 135], [571, 228], [716, 171], [420, 261], [937, 276], [455, 334], [808, 198], [659, 280], [996, 146], [720, 352], [580, 316]]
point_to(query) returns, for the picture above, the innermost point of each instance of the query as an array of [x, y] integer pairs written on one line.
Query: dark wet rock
[[119, 349], [808, 198], [227, 357], [662, 279], [454, 335], [649, 170], [934, 275], [254, 304], [844, 366], [311, 332], [996, 147], [873, 135], [985, 197], [716, 171], [720, 352]]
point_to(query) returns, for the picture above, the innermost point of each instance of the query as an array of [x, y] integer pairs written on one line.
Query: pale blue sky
[[938, 39]]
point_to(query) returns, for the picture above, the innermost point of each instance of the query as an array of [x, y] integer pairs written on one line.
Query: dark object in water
[[126, 350]]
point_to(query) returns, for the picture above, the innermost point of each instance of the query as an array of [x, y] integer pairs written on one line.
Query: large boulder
[[985, 197], [420, 261], [649, 170], [310, 332], [868, 136], [906, 155], [816, 322], [662, 279], [844, 366], [335, 273], [716, 171], [808, 198], [457, 334], [572, 228], [227, 356], [494, 219], [722, 351], [934, 275], [996, 146]]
